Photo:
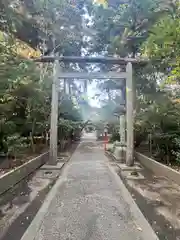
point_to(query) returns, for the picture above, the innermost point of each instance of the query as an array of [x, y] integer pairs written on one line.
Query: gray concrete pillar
[[129, 117], [54, 115]]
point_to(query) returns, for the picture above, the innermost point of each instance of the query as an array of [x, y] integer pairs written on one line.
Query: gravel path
[[89, 203]]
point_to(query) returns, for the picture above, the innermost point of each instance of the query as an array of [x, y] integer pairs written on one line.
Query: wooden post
[[54, 115], [129, 116]]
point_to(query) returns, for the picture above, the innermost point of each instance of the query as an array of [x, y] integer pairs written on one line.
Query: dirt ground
[[7, 164]]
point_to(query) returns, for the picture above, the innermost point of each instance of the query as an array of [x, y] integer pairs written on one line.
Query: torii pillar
[[129, 116], [54, 115]]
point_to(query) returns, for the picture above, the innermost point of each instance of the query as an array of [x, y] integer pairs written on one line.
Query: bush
[[140, 134], [66, 128], [16, 145], [161, 120], [115, 136], [176, 152], [167, 147]]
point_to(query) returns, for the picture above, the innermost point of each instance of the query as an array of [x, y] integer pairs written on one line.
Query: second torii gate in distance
[[125, 75]]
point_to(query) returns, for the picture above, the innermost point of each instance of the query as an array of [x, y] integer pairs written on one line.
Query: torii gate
[[126, 75]]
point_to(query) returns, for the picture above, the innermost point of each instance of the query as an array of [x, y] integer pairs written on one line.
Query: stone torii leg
[[129, 117], [122, 137], [122, 129], [54, 115]]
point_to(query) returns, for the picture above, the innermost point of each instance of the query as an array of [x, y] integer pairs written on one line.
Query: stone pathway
[[89, 202]]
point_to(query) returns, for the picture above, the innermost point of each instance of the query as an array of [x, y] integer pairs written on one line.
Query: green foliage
[[69, 110], [16, 145], [25, 102], [64, 129], [161, 120], [176, 150], [115, 137], [122, 28], [138, 27], [35, 22], [150, 29], [140, 133], [163, 44], [67, 128]]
